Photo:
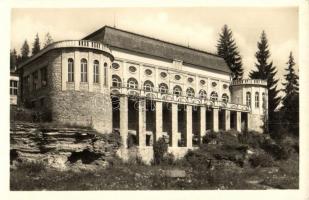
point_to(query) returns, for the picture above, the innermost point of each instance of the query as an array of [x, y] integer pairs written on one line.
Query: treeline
[[25, 53], [280, 121]]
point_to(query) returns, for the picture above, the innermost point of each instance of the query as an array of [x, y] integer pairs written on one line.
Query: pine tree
[[227, 49], [48, 39], [24, 51], [36, 45], [290, 101], [266, 71], [13, 60]]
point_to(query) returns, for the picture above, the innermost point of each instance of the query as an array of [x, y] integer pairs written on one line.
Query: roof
[[154, 47]]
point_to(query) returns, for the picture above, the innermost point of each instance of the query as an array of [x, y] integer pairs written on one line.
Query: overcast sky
[[197, 27]]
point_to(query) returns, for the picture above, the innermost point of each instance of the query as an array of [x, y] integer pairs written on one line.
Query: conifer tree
[[48, 39], [36, 45], [13, 60], [24, 51], [227, 49], [290, 108], [267, 71]]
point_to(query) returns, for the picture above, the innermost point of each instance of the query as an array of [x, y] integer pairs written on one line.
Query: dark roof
[[154, 47]]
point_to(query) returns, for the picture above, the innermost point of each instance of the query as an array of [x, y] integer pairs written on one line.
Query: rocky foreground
[[61, 148]]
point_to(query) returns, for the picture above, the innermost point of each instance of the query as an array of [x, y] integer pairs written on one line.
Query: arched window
[[190, 92], [148, 86], [263, 100], [70, 70], [225, 98], [116, 81], [257, 100], [214, 96], [96, 71], [177, 90], [132, 83], [105, 74], [83, 70], [203, 94], [248, 99], [163, 88]]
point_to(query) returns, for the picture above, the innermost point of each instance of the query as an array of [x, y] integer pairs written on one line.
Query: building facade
[[143, 87]]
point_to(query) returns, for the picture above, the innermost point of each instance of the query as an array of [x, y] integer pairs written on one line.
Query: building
[[144, 87]]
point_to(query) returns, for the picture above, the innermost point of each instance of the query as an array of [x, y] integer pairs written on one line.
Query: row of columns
[[174, 128]]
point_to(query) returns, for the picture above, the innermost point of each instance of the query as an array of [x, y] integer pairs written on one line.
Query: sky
[[196, 27]]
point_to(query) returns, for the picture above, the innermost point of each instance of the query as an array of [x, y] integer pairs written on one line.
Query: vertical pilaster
[[124, 120], [174, 138], [77, 70], [202, 121], [189, 126], [159, 121], [215, 115], [227, 120], [142, 122], [90, 71], [238, 121], [64, 71]]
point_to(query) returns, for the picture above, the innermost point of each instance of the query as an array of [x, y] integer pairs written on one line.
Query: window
[[132, 83], [83, 70], [163, 88], [105, 74], [13, 87], [248, 99], [190, 79], [202, 82], [115, 66], [177, 77], [70, 70], [148, 86], [203, 94], [42, 102], [177, 91], [264, 99], [190, 92], [96, 72], [35, 80], [132, 69], [257, 100], [225, 98], [163, 74], [214, 84], [27, 83], [214, 96], [116, 81], [43, 72], [148, 72]]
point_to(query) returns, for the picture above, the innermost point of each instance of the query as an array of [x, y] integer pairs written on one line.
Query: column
[[76, 70], [227, 120], [90, 71], [189, 126], [202, 122], [174, 138], [238, 121], [215, 117], [142, 123], [159, 121], [124, 120], [64, 72]]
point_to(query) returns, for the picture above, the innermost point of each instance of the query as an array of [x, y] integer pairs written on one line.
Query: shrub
[[159, 150], [32, 167], [261, 160]]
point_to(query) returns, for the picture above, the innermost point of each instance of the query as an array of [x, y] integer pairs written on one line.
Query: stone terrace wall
[[61, 148]]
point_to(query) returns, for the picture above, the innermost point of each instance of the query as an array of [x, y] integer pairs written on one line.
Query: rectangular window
[[257, 101], [44, 76], [105, 74], [70, 70], [42, 101], [26, 83], [13, 87], [35, 80], [96, 77]]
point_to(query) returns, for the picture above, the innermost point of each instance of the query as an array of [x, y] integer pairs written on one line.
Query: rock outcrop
[[61, 147]]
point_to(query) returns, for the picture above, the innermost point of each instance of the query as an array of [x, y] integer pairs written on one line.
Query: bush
[[261, 160], [159, 150], [28, 115], [32, 167]]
